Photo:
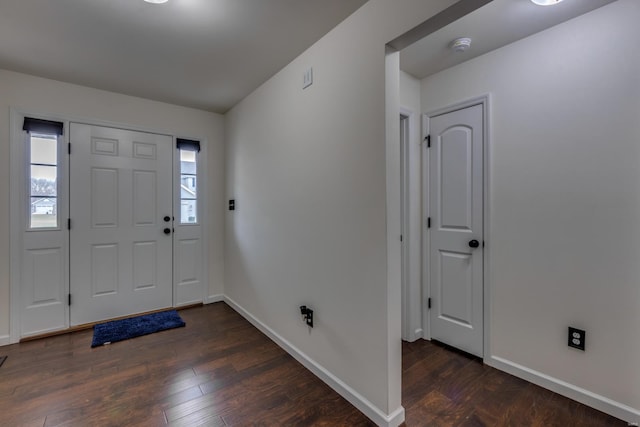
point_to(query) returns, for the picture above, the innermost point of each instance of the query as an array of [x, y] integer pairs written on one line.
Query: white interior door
[[456, 212], [120, 194]]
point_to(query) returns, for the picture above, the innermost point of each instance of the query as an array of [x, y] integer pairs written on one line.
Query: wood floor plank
[[460, 391], [220, 371]]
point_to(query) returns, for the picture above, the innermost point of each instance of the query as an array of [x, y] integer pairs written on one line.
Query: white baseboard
[[413, 336], [4, 340], [601, 403], [356, 399], [213, 298]]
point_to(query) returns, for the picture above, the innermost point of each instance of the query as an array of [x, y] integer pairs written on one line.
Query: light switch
[[307, 79]]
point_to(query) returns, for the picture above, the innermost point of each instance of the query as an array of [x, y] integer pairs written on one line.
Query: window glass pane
[[187, 156], [188, 211], [44, 150], [44, 212], [188, 187], [44, 180]]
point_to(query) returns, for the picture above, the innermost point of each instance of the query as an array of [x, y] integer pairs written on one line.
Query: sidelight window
[[188, 180], [43, 172]]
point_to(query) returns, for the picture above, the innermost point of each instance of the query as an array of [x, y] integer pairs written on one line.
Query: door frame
[[405, 131], [17, 194], [410, 228], [485, 101]]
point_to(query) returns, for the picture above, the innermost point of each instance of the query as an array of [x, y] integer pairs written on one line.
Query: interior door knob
[[167, 218], [474, 243], [167, 231]]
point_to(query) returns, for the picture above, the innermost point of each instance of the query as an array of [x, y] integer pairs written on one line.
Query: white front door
[[121, 223], [456, 214]]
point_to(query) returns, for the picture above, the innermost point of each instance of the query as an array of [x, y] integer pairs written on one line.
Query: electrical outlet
[[307, 315], [576, 338]]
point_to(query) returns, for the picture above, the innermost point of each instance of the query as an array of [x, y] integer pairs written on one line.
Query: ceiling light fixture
[[546, 2], [461, 44], [156, 1]]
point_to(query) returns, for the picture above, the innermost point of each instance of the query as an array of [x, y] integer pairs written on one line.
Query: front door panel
[[120, 256]]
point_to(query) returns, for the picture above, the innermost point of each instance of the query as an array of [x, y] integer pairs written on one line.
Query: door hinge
[[428, 139], [401, 237], [69, 299], [429, 222], [69, 149], [429, 303], [68, 223]]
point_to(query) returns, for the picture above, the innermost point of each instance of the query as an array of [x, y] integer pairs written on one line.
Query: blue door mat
[[120, 330]]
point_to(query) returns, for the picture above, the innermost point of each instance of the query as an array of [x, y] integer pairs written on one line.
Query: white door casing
[[456, 214], [404, 250], [120, 192]]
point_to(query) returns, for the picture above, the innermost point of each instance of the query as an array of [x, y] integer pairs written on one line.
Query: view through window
[[43, 181], [188, 187]]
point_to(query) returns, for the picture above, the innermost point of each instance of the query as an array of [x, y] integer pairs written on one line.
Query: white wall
[[413, 298], [308, 172], [565, 198], [51, 97]]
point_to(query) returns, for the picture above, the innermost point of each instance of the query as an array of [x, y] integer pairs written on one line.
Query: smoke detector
[[461, 44]]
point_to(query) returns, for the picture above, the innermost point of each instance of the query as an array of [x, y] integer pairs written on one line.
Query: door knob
[[167, 218], [167, 231], [474, 243]]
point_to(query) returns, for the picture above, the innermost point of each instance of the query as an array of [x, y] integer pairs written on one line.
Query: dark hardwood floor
[[221, 371], [445, 387]]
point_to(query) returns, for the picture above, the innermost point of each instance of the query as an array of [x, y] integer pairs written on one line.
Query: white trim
[[394, 419], [404, 225], [411, 230], [214, 298], [485, 101], [4, 340], [488, 180], [426, 236], [405, 122], [15, 242], [601, 403], [204, 210], [392, 309]]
